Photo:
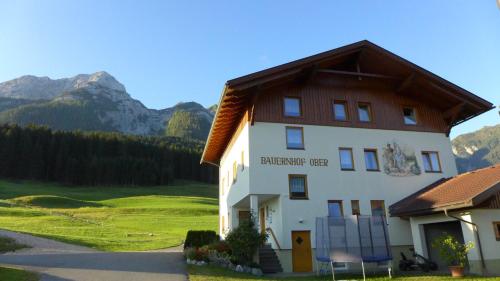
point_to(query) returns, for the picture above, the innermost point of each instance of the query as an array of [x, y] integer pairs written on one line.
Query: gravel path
[[58, 261]]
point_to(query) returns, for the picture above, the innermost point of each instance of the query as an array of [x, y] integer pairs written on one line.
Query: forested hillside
[[99, 158], [477, 149]]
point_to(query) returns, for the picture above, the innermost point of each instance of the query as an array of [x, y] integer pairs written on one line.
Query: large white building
[[349, 131]]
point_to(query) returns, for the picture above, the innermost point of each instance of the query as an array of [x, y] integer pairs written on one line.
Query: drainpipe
[[476, 232]]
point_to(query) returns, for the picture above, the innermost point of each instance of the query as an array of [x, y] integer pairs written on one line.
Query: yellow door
[[301, 251], [262, 219]]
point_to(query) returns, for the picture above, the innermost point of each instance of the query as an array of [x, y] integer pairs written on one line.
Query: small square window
[[340, 110], [371, 160], [298, 186], [378, 207], [496, 228], [409, 116], [356, 211], [431, 161], [346, 159], [292, 107], [364, 112], [294, 138], [335, 208]]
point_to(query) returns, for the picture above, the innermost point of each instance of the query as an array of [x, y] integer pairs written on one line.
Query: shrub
[[198, 238], [244, 241], [454, 252], [220, 247], [201, 254], [190, 253]]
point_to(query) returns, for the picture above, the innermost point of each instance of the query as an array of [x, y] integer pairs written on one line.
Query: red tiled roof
[[462, 191]]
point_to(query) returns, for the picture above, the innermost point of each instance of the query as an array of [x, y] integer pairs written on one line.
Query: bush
[[198, 238], [244, 241], [220, 247], [190, 253], [454, 252]]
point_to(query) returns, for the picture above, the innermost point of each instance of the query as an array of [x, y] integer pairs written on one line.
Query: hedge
[[198, 238]]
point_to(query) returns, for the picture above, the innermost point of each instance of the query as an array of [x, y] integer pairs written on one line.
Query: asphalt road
[[57, 261]]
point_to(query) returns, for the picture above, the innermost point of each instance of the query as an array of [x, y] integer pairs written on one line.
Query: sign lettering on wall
[[292, 161]]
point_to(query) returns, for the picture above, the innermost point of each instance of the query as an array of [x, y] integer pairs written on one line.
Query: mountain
[[94, 102], [477, 149]]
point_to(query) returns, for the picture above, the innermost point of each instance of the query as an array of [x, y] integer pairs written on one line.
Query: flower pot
[[456, 271]]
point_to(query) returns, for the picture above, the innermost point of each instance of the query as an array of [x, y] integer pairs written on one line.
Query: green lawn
[[12, 274], [208, 273], [109, 218]]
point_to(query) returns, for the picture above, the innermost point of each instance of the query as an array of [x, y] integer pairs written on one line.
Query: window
[[496, 226], [335, 208], [298, 186], [235, 170], [222, 186], [292, 107], [371, 160], [340, 110], [409, 116], [294, 138], [356, 211], [364, 112], [431, 161], [378, 207], [346, 159], [242, 160]]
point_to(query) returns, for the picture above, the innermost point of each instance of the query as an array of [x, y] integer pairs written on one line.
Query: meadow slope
[[109, 218]]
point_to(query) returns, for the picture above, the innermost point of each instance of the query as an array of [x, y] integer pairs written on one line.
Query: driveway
[[57, 261]]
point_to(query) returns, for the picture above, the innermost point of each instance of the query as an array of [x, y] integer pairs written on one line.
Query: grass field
[[13, 274], [207, 273], [109, 218]]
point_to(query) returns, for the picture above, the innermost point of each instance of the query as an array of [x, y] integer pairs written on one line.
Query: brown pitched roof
[[463, 191], [238, 94]]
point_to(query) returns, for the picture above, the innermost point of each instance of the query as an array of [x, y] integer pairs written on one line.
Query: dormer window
[[409, 116], [292, 107], [364, 112]]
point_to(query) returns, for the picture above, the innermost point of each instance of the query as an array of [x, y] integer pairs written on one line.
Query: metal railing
[[274, 237]]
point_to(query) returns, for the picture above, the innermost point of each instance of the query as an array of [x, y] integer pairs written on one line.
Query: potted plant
[[453, 252]]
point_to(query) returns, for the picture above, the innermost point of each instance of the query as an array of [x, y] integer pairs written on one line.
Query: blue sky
[[165, 51]]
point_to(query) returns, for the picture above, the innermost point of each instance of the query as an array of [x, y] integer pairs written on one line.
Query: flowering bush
[[220, 247]]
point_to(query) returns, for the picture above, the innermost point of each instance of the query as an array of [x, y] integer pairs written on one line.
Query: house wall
[[484, 219], [231, 192], [331, 183]]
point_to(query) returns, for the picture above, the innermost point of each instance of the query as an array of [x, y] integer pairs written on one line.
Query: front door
[[301, 251], [262, 220]]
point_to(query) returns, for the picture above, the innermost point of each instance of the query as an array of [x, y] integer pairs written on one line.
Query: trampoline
[[352, 239]]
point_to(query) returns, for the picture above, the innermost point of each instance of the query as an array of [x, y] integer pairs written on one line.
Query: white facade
[[269, 186]]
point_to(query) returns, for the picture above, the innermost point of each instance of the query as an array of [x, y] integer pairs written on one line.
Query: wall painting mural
[[400, 160]]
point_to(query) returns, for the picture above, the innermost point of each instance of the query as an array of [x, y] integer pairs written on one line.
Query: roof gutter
[[476, 232]]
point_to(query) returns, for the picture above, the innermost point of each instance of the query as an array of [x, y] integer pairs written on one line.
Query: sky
[[165, 52]]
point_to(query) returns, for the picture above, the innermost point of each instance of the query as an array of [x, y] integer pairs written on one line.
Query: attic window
[[292, 107], [409, 116]]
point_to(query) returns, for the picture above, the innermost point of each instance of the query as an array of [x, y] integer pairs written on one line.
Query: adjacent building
[[350, 131]]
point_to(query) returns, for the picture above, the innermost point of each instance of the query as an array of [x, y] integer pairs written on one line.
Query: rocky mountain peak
[[101, 78]]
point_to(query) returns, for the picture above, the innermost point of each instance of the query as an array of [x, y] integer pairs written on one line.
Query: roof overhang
[[237, 95], [470, 203]]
